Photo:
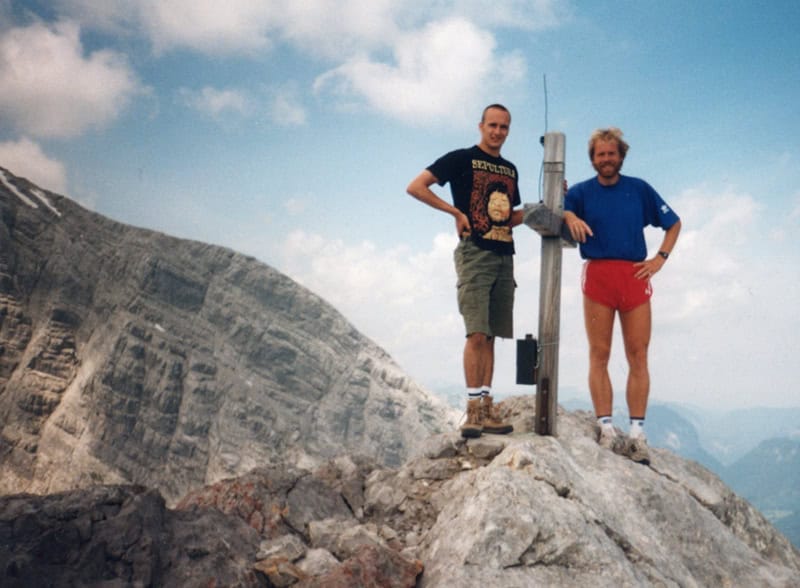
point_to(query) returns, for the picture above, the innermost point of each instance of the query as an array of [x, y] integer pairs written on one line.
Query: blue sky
[[289, 131]]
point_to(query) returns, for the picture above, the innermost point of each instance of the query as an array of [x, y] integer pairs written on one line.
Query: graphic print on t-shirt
[[491, 200]]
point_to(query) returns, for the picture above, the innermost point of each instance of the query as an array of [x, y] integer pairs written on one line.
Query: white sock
[[637, 429], [605, 421], [486, 390], [473, 393]]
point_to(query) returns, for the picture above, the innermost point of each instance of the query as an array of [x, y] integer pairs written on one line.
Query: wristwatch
[[664, 254]]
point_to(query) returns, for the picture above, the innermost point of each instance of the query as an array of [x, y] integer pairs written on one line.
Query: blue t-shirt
[[617, 216]]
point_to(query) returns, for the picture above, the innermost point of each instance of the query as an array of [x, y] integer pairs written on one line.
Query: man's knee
[[478, 337], [637, 358], [599, 355], [479, 340]]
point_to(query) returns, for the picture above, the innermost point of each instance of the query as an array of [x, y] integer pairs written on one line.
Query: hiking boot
[[491, 420], [607, 437], [474, 425], [637, 450]]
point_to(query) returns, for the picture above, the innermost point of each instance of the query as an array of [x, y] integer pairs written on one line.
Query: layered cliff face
[[130, 356]]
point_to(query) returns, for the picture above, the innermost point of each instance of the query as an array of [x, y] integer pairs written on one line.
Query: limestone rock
[[562, 511], [128, 356], [317, 562], [520, 510], [371, 567]]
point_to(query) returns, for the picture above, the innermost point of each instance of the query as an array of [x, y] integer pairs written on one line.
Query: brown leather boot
[[491, 420], [474, 425]]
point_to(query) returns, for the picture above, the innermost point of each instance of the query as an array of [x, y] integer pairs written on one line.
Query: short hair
[[497, 106], [609, 134]]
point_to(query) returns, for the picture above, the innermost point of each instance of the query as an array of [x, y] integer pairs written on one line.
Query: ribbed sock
[[473, 393], [606, 423], [637, 428]]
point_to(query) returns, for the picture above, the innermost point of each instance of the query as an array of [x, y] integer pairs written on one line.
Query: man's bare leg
[[636, 327], [599, 320], [478, 360]]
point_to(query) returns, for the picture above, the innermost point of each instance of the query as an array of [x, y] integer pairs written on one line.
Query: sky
[[289, 131]]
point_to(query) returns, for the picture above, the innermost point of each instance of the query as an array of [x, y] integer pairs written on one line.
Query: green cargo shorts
[[485, 290]]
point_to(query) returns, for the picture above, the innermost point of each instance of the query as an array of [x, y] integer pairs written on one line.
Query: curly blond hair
[[609, 134]]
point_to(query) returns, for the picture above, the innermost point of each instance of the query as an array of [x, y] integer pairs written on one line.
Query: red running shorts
[[612, 283]]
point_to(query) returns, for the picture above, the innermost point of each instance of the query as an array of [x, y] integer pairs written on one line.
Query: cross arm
[[546, 222]]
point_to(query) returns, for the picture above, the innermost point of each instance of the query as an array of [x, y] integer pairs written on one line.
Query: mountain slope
[[769, 477], [769, 474], [667, 428], [127, 355], [730, 434], [512, 511]]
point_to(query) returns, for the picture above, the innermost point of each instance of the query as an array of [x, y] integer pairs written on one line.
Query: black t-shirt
[[485, 189]]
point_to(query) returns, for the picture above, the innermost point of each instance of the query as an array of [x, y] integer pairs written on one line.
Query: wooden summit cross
[[546, 218]]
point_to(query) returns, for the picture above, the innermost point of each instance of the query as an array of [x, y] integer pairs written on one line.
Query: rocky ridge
[[513, 511], [131, 357]]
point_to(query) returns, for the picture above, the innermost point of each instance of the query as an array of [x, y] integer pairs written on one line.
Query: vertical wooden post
[[550, 289]]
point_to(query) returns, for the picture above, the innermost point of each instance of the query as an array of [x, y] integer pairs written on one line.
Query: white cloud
[[334, 30], [787, 223], [117, 16], [26, 159], [417, 61], [439, 71], [49, 89], [722, 334], [208, 26], [393, 296], [217, 103], [337, 30], [718, 233], [516, 14], [285, 106]]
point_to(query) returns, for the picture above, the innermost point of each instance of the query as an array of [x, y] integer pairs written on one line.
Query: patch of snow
[[16, 192], [40, 195]]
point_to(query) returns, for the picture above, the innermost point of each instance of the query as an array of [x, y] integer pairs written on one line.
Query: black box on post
[[527, 359]]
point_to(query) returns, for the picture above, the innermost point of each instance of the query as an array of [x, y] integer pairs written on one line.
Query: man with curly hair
[[606, 215]]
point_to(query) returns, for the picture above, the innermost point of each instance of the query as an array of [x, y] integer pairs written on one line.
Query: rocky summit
[[513, 511], [176, 414]]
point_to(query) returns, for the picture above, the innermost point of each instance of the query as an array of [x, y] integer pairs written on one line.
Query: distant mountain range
[[755, 451]]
